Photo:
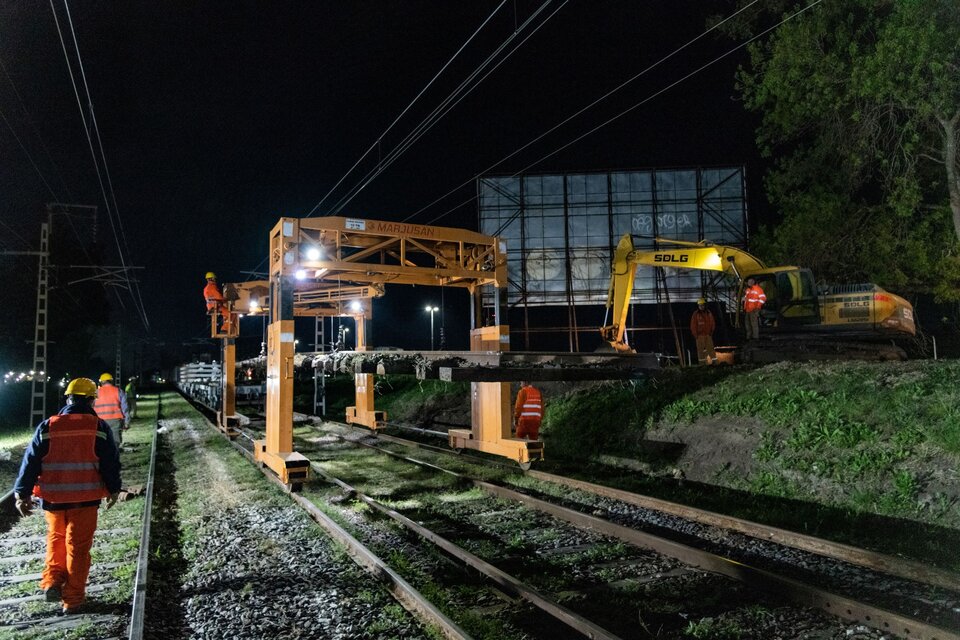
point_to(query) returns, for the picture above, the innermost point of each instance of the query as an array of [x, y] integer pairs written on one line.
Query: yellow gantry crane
[[336, 266]]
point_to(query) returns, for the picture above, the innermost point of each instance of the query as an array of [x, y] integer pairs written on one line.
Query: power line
[[135, 289], [86, 128], [582, 110], [422, 91], [642, 102], [451, 101], [36, 130], [27, 153]]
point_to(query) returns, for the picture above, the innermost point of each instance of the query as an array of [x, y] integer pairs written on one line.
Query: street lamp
[[346, 330], [431, 310]]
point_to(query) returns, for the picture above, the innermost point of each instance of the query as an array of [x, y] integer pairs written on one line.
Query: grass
[[714, 629]]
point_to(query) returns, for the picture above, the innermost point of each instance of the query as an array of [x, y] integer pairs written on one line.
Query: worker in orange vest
[[753, 300], [111, 406], [71, 464], [528, 412], [216, 302], [702, 326]]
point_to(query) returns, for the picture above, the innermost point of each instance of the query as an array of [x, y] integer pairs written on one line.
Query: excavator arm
[[703, 256]]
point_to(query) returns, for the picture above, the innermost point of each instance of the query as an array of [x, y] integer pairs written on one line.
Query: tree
[[860, 104]]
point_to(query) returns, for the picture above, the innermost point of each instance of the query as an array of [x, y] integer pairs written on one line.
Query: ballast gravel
[[253, 566]]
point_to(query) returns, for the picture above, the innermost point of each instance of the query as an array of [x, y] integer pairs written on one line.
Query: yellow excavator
[[797, 322]]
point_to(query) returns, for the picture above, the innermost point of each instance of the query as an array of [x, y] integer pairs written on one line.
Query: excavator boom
[[703, 256]]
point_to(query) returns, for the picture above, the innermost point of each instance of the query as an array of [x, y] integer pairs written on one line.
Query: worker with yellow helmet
[[71, 464], [216, 302], [112, 407], [702, 326]]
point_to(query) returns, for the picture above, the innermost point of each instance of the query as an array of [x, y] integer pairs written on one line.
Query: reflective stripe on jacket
[[108, 405], [529, 404], [754, 299], [70, 471]]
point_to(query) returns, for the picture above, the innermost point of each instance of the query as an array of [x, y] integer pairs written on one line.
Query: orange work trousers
[[528, 428], [69, 538]]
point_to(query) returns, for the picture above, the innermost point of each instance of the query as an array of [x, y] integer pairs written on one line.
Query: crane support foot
[[519, 449], [228, 425], [292, 468]]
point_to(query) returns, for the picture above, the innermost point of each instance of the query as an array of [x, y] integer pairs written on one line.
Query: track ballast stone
[[255, 565]]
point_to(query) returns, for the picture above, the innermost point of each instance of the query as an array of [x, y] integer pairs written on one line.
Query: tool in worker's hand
[[24, 507]]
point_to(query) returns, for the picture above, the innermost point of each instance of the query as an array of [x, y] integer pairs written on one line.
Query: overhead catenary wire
[[635, 105], [96, 162], [36, 130], [46, 150], [582, 110], [132, 285], [451, 101], [376, 142]]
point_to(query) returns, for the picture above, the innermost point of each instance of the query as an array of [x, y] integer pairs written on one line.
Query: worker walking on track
[[111, 406], [71, 464], [702, 326], [528, 412], [216, 303], [131, 391], [753, 300]]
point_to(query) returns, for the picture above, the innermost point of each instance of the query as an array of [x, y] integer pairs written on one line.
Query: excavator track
[[814, 347]]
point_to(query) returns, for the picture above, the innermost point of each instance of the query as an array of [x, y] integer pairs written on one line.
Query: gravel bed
[[931, 604], [250, 564], [591, 573]]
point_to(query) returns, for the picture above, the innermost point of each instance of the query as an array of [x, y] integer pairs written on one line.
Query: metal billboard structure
[[561, 229]]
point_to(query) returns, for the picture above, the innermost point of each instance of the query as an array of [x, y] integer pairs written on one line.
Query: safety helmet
[[701, 301], [211, 275], [106, 377], [81, 387]]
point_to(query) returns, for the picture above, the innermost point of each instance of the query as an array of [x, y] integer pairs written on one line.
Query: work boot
[[69, 611], [52, 594]]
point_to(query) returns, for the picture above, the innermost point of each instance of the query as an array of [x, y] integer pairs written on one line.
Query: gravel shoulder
[[236, 559]]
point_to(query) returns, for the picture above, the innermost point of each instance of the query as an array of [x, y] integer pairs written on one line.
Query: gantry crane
[[335, 266]]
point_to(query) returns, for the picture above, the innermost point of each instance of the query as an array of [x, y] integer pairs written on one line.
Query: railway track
[[116, 591], [594, 527]]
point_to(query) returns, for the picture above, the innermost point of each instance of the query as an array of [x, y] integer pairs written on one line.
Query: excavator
[[798, 322]]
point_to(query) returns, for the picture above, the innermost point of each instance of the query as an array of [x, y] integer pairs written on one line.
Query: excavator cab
[[791, 298]]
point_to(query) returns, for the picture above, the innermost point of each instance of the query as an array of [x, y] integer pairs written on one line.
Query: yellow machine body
[[336, 266], [364, 412], [491, 409], [276, 450], [794, 303]]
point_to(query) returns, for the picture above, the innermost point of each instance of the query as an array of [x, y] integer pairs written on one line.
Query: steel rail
[[501, 578], [763, 580], [138, 608], [837, 605], [899, 567], [405, 593]]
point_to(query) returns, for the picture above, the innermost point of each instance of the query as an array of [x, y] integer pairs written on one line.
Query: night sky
[[219, 117]]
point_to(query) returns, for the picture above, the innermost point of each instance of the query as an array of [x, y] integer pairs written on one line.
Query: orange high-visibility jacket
[[108, 405], [754, 299], [529, 407], [70, 472], [702, 323], [211, 293]]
